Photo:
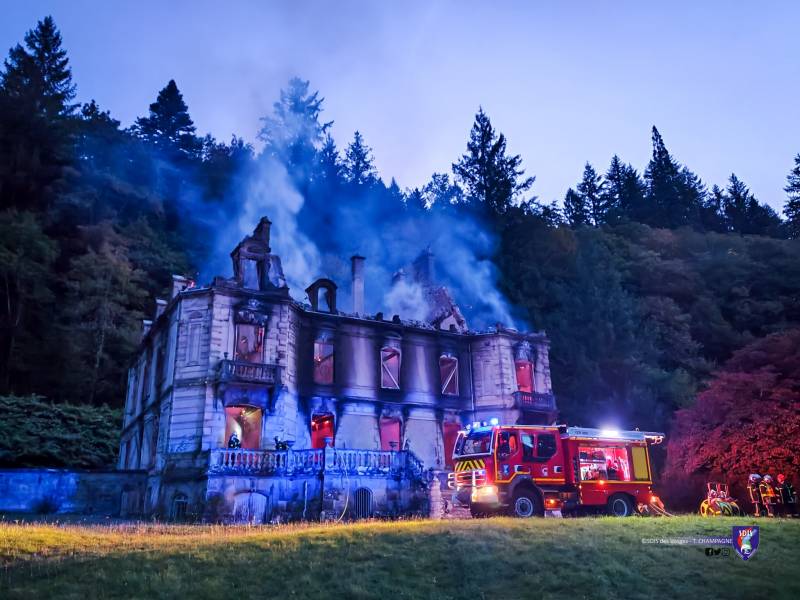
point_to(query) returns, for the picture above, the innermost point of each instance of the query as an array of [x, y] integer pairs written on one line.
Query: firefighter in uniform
[[787, 495], [755, 494], [768, 495]]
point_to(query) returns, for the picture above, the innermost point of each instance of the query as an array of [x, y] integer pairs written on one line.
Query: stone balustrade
[[239, 370], [242, 461], [534, 401]]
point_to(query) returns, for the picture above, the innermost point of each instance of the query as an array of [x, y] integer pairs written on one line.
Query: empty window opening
[[243, 427], [250, 274], [390, 368], [321, 430], [323, 362], [448, 370], [390, 433], [524, 370], [325, 300], [249, 343]]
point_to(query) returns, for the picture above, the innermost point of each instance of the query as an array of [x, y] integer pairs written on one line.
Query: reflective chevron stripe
[[470, 465]]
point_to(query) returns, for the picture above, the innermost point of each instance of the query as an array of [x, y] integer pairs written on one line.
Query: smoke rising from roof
[[316, 235]]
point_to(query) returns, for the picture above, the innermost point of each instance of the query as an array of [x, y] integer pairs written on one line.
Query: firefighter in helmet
[[768, 495], [787, 495], [755, 494]]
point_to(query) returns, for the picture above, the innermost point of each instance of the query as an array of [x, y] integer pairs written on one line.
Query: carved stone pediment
[[523, 351], [253, 312]]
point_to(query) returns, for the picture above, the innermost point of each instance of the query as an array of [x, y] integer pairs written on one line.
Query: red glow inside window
[[321, 428], [524, 371], [390, 434]]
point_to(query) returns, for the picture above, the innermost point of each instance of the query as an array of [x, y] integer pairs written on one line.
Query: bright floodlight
[[609, 433], [494, 421]]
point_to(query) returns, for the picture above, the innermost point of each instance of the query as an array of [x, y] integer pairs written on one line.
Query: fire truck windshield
[[475, 442]]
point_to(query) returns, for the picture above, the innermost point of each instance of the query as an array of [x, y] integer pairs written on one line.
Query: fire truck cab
[[524, 470]]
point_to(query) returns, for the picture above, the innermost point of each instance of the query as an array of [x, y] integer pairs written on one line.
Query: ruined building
[[244, 404]]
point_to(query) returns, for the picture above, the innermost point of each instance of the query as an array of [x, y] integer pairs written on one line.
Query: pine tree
[[735, 204], [575, 210], [35, 119], [673, 192], [623, 192], [745, 214], [591, 189], [441, 193], [169, 126], [712, 212], [329, 164], [38, 76], [293, 132], [491, 178], [792, 207], [359, 167]]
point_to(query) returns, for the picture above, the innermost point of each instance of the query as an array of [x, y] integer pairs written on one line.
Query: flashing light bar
[[494, 421], [613, 434]]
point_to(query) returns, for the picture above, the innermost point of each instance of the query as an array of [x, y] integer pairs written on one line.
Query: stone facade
[[334, 413]]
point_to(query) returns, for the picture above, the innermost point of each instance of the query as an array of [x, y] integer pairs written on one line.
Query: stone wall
[[97, 493]]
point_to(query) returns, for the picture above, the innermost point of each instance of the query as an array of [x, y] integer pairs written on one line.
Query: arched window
[[448, 371], [323, 361], [390, 368], [180, 507]]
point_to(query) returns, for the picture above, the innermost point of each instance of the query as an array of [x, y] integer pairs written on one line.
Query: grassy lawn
[[494, 558]]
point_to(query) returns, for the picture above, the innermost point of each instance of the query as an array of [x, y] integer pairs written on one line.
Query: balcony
[[247, 372], [276, 463], [534, 401]]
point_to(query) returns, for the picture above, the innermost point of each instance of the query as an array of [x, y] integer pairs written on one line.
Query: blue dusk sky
[[566, 82]]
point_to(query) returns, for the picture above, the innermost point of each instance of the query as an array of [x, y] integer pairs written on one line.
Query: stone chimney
[[179, 283], [261, 232], [424, 268], [161, 304], [357, 263]]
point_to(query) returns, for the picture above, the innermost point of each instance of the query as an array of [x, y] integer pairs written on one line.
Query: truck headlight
[[487, 493]]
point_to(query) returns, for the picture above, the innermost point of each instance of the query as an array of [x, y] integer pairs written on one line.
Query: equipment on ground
[[718, 502]]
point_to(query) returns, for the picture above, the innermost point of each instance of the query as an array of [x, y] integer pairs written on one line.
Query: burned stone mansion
[[244, 404]]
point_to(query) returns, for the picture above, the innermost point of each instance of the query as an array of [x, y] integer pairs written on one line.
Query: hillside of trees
[[646, 280]]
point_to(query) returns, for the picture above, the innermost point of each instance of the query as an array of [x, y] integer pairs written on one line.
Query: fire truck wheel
[[620, 505], [526, 504]]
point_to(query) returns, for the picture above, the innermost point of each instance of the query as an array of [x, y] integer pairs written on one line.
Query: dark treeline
[[645, 282]]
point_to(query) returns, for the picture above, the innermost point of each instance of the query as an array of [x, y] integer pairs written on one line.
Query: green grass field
[[494, 558]]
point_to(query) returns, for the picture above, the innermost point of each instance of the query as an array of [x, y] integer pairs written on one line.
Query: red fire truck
[[524, 470]]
